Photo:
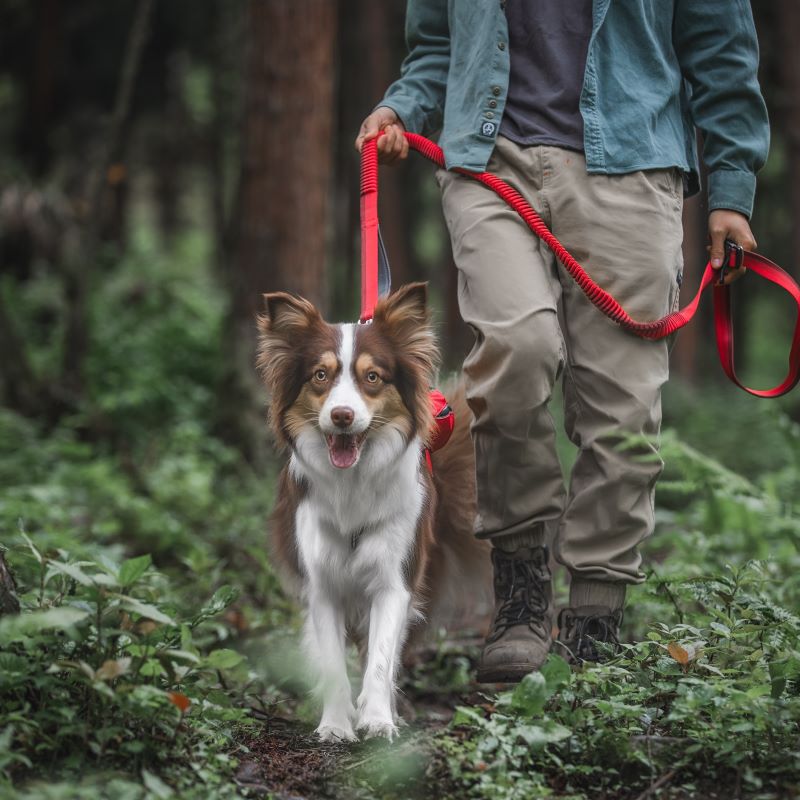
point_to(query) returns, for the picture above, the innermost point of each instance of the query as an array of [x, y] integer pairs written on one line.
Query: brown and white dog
[[371, 541]]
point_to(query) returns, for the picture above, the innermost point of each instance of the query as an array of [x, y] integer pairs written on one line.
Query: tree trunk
[[78, 273], [685, 356], [41, 95], [281, 224], [9, 602], [280, 220]]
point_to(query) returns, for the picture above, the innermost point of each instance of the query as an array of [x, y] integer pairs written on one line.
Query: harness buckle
[[733, 260]]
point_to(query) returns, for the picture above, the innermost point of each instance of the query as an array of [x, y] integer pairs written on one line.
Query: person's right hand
[[392, 145]]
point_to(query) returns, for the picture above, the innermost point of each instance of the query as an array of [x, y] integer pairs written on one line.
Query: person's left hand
[[726, 224]]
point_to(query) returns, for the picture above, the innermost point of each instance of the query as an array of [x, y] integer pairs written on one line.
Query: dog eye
[[372, 376], [320, 375]]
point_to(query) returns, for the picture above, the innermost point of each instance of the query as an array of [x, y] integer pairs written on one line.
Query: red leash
[[658, 329]]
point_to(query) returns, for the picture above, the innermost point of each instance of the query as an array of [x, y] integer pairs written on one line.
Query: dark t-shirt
[[548, 43]]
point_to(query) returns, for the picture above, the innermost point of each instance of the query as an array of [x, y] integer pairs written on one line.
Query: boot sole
[[508, 673]]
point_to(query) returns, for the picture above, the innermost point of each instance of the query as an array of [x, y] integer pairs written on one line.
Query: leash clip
[[734, 258]]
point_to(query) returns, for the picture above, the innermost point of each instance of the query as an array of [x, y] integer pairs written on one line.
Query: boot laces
[[584, 631], [521, 583]]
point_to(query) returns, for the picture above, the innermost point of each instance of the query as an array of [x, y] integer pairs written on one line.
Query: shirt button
[[501, 45], [493, 104], [496, 90], [489, 115]]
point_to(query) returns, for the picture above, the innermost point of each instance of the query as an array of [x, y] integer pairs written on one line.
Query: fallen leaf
[[145, 626], [180, 700], [678, 653], [112, 669]]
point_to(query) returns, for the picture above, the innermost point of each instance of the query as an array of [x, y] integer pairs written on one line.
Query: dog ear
[[409, 302], [286, 314], [285, 319], [405, 318]]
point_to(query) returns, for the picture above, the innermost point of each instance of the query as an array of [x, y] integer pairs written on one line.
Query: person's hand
[[392, 146], [726, 224]]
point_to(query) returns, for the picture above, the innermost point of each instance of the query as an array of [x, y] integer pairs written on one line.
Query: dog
[[375, 544]]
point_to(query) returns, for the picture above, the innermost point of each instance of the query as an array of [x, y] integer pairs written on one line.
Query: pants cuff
[[583, 592], [534, 536]]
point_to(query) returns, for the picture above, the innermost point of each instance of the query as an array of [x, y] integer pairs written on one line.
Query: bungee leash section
[[375, 264]]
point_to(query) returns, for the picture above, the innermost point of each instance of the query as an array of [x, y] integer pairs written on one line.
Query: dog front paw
[[378, 728], [336, 733]]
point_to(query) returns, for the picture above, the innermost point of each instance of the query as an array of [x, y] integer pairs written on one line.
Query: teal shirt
[[656, 71]]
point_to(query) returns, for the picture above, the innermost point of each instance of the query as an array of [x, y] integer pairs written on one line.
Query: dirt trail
[[287, 762]]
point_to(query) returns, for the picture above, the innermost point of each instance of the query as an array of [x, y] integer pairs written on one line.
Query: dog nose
[[342, 416]]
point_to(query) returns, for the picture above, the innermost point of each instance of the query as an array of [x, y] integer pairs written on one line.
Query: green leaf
[[722, 630], [151, 668], [531, 694], [180, 655], [186, 637], [70, 570], [556, 673], [20, 626], [467, 716], [133, 569], [223, 659], [221, 599], [35, 550], [155, 785], [537, 736], [144, 609]]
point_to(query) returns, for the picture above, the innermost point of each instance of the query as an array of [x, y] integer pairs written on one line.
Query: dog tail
[[463, 594]]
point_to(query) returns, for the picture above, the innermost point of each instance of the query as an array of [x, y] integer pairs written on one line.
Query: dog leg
[[325, 642], [388, 622]]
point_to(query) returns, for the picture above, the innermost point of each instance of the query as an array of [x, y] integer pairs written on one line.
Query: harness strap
[[657, 329]]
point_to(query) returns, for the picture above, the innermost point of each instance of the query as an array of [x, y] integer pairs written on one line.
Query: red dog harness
[[371, 255], [444, 421]]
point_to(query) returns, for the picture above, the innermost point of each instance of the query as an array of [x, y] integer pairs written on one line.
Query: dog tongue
[[343, 450]]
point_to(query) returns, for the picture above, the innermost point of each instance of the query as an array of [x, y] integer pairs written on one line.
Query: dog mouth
[[344, 448]]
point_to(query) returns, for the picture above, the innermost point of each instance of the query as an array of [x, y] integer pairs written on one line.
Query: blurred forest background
[[163, 163]]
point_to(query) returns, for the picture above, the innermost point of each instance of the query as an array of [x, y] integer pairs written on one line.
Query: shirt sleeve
[[717, 49], [417, 97]]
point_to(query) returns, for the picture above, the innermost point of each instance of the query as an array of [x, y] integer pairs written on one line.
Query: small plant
[[101, 666], [710, 703]]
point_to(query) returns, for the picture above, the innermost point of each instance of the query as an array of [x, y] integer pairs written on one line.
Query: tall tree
[[280, 217], [282, 209]]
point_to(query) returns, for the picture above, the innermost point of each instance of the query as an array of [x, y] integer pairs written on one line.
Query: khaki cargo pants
[[532, 324]]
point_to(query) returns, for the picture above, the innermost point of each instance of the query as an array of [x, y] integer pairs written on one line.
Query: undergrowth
[[705, 699], [131, 671]]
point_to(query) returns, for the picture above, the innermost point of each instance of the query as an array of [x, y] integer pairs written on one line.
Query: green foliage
[[117, 525], [711, 702], [709, 693], [102, 664]]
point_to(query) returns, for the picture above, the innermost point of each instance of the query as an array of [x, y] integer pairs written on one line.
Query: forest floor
[[286, 761]]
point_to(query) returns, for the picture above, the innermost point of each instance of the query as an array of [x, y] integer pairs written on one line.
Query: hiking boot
[[520, 637], [581, 629]]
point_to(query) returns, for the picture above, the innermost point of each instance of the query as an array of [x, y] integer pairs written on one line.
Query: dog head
[[348, 387]]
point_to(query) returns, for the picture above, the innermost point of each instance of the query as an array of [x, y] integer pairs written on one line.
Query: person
[[590, 109]]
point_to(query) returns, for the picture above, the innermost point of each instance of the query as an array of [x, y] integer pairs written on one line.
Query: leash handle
[[370, 240], [723, 321]]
